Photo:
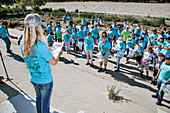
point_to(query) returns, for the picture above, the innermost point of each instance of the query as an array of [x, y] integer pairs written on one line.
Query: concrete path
[[80, 88]]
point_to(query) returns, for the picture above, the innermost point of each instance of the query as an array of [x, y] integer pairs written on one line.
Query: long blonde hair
[[30, 37]]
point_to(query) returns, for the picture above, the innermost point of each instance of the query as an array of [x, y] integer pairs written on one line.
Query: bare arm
[[54, 61]]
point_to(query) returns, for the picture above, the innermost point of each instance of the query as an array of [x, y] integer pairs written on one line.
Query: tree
[[7, 2], [33, 3]]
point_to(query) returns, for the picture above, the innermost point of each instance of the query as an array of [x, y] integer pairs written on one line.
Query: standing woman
[[38, 58]]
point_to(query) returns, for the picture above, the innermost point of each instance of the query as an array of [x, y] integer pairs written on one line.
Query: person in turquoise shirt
[[104, 49], [4, 36], [89, 47], [117, 35], [146, 32], [141, 45], [140, 29], [50, 38], [103, 35], [162, 35], [137, 33], [152, 36], [130, 43], [59, 33], [114, 27], [81, 37], [163, 78], [56, 26], [146, 39], [84, 22], [75, 37], [64, 19], [70, 29], [95, 33], [93, 19], [121, 28], [86, 30], [70, 20], [66, 38], [38, 58], [166, 47], [168, 34], [120, 48], [111, 34], [99, 20], [49, 30]]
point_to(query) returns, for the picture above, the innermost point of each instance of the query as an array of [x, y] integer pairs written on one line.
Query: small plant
[[112, 95]]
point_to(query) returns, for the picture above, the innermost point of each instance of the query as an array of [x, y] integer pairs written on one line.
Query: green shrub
[[77, 20], [47, 9], [112, 95], [76, 11], [62, 10]]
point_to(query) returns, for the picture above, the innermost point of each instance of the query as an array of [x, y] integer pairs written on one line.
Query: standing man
[[125, 34], [4, 36]]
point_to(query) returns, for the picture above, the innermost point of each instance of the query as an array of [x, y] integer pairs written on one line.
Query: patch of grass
[[112, 95]]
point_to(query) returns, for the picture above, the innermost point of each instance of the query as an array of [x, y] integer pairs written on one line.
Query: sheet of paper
[[57, 47]]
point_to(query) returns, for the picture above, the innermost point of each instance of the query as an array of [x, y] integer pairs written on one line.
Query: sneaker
[[116, 70], [99, 70], [158, 103], [9, 51], [105, 70], [87, 63], [154, 96], [127, 62]]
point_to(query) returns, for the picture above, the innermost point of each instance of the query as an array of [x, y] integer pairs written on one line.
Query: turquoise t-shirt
[[38, 66], [64, 18], [89, 43], [75, 37], [141, 44], [85, 32], [58, 31], [152, 36], [93, 18], [95, 32], [49, 38], [165, 72], [70, 30], [117, 36], [84, 22], [104, 47], [110, 34], [115, 28], [70, 18], [121, 48], [163, 36], [80, 34], [67, 37], [49, 30], [137, 34], [3, 32], [131, 43]]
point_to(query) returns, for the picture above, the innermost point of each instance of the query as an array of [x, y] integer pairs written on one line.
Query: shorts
[[105, 60], [145, 67]]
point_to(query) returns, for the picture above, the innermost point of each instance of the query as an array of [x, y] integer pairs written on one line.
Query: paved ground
[[79, 88], [119, 8]]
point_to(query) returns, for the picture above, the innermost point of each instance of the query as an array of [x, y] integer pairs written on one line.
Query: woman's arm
[[54, 61]]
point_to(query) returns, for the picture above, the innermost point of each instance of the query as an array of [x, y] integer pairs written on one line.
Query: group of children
[[146, 48]]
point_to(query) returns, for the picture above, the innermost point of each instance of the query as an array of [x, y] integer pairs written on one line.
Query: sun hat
[[120, 40], [33, 20]]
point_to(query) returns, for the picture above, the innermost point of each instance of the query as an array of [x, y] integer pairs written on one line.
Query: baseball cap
[[162, 32], [33, 20], [144, 33], [154, 30], [88, 33], [138, 24], [52, 33], [141, 38], [168, 38], [104, 32]]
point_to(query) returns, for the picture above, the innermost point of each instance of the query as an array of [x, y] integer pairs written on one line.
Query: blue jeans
[[118, 62], [7, 42], [160, 92], [43, 94]]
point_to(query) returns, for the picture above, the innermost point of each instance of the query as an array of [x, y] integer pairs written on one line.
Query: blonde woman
[[38, 58]]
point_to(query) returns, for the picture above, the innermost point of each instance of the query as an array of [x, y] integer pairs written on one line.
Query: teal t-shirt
[[95, 32], [89, 43], [49, 30], [58, 31], [165, 72], [131, 43], [121, 48], [104, 47], [70, 18], [117, 36], [49, 38], [152, 36], [81, 34], [75, 37], [84, 22], [110, 34], [70, 30], [38, 66], [85, 32], [3, 32], [141, 44], [67, 37]]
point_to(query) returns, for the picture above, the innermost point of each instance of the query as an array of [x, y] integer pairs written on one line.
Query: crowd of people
[[147, 48]]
